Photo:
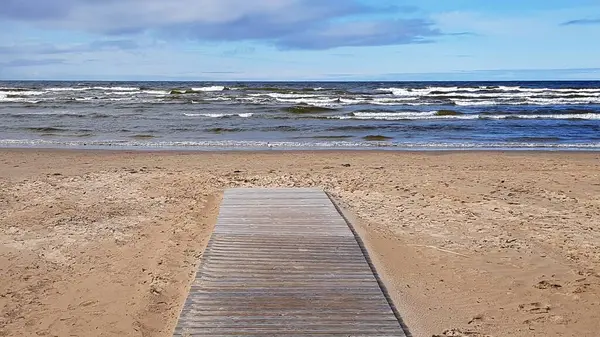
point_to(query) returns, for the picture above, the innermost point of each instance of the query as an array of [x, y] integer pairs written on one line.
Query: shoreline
[[479, 243], [233, 146], [178, 151]]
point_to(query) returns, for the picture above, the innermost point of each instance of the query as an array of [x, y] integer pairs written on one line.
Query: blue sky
[[299, 39]]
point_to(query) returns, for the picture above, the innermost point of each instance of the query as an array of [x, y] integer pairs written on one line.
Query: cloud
[[361, 33], [52, 49], [34, 10], [580, 22], [113, 45], [286, 24], [462, 34], [29, 63], [239, 51]]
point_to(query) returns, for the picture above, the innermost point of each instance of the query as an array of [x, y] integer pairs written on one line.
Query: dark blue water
[[393, 115]]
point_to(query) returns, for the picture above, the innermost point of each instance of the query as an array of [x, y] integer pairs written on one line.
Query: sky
[[283, 40]]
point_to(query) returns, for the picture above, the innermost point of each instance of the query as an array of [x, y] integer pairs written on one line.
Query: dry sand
[[473, 244]]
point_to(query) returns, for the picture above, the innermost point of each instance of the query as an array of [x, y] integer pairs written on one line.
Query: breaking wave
[[218, 115], [436, 115]]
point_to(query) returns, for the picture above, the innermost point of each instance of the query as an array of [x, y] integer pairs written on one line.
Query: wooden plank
[[284, 262]]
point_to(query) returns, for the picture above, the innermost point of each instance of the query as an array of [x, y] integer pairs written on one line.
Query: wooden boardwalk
[[284, 262]]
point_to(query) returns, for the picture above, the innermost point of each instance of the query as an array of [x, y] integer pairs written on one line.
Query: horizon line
[[293, 81]]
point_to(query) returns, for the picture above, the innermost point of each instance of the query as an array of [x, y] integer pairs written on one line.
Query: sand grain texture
[[470, 244]]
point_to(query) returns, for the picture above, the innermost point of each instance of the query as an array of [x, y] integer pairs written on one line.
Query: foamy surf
[[210, 88], [116, 88], [218, 115], [59, 89], [316, 145], [435, 115]]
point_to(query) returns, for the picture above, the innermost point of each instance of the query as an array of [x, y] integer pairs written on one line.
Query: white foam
[[208, 115], [68, 89], [589, 116], [425, 91], [401, 91], [210, 89], [328, 102], [156, 92], [528, 101], [432, 115], [255, 100], [461, 102], [23, 93], [405, 116], [216, 99], [499, 145], [284, 96], [4, 98], [567, 101], [408, 115], [505, 91], [311, 99], [116, 88], [124, 99], [513, 95], [235, 145], [549, 90], [318, 102], [227, 144], [355, 101], [122, 93], [397, 101], [415, 98], [394, 114]]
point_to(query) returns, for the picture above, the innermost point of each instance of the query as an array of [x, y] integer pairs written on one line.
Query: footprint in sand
[[535, 308], [544, 284]]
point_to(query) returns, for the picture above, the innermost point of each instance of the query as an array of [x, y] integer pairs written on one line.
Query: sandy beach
[[105, 243]]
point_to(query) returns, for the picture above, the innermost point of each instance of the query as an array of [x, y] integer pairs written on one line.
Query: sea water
[[308, 115]]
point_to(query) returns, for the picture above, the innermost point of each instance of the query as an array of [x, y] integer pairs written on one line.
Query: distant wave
[[155, 92], [8, 93], [435, 115], [116, 88], [501, 95], [210, 88], [68, 89], [16, 98], [529, 101], [482, 90], [471, 96], [334, 102]]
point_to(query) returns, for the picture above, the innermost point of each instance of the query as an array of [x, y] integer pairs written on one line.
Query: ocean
[[301, 115]]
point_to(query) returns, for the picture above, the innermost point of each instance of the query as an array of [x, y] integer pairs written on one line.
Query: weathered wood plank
[[283, 262]]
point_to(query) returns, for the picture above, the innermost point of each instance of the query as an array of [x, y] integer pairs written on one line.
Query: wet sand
[[101, 243]]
